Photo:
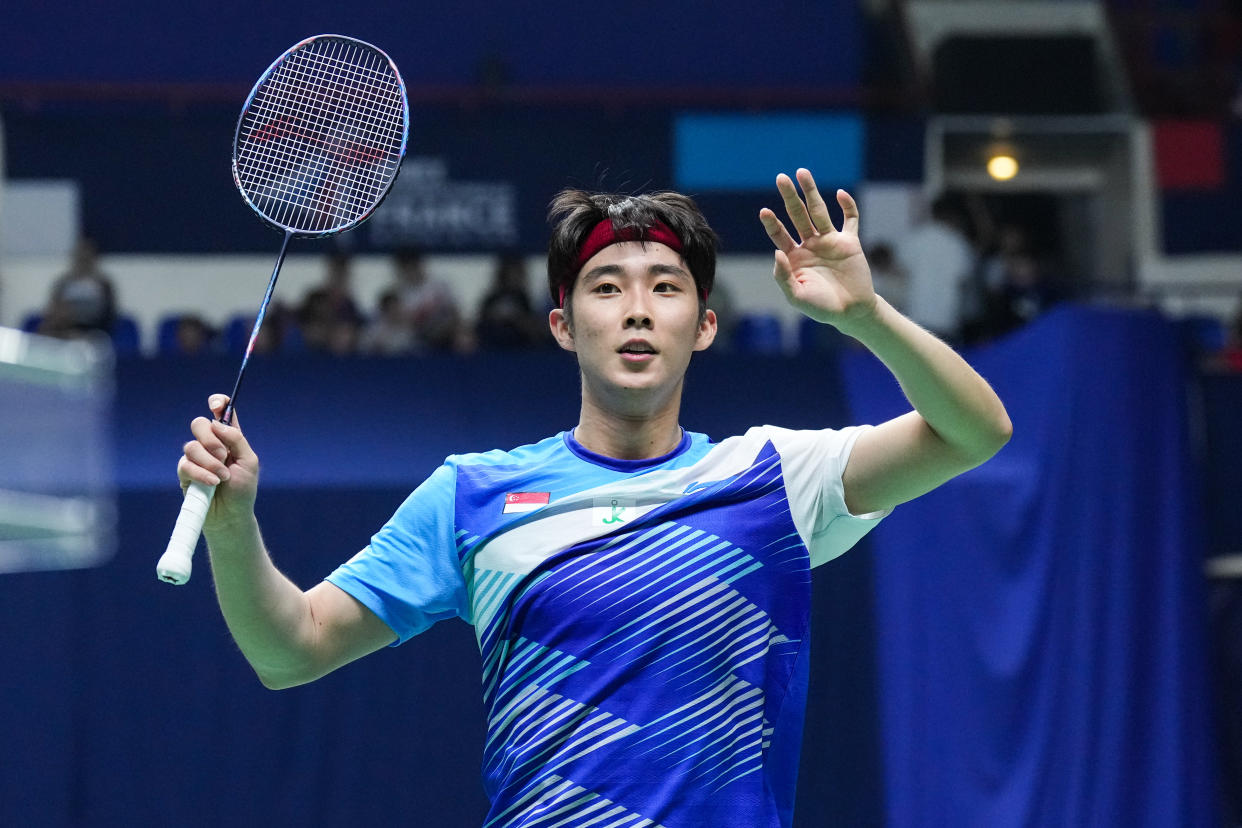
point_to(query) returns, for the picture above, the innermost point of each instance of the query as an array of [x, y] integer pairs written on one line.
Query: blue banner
[[1043, 631]]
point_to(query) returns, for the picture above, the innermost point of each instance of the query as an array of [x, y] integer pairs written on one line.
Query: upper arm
[[897, 461], [340, 630]]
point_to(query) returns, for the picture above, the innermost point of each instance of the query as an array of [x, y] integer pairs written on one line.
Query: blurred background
[[1055, 186]]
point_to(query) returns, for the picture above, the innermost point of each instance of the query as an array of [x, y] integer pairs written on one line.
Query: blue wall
[[556, 42]]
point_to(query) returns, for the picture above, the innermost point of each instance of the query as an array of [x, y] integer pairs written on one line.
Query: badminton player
[[640, 593]]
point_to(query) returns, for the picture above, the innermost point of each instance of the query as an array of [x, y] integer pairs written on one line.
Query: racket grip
[[175, 564]]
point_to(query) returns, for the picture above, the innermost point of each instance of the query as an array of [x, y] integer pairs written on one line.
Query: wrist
[[862, 321], [225, 530]]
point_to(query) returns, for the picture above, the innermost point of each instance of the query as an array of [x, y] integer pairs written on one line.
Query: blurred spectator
[[83, 300], [194, 336], [328, 317], [1016, 287], [938, 260], [390, 332], [888, 276], [507, 317], [279, 332], [428, 304]]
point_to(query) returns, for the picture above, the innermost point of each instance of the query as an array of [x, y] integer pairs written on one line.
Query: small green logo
[[615, 517]]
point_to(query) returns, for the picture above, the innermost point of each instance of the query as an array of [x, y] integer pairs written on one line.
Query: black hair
[[573, 214]]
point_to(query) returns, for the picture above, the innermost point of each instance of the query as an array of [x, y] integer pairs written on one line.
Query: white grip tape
[[175, 564]]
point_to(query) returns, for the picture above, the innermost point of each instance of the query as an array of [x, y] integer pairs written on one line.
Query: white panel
[[40, 218]]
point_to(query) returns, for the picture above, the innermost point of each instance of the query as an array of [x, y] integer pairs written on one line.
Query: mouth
[[637, 350]]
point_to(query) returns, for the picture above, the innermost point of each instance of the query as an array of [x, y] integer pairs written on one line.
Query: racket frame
[[259, 85]]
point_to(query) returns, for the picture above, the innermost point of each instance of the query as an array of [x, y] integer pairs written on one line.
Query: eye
[[605, 287], [668, 287]]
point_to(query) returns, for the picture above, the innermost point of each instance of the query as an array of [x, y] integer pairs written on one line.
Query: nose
[[638, 315]]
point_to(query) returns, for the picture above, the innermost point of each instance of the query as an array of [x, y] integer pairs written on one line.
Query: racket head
[[321, 137]]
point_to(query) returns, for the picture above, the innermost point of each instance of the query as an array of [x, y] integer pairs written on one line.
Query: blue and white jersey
[[643, 624]]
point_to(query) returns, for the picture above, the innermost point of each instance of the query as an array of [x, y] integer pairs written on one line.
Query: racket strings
[[298, 83], [323, 137], [346, 130], [329, 138]]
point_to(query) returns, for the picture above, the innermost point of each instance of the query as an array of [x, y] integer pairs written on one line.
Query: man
[[640, 594], [939, 261]]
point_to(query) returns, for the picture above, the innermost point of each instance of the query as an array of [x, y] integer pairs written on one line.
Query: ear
[[562, 331], [707, 331]]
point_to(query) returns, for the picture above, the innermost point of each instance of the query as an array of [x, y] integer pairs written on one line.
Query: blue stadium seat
[[237, 333], [32, 322], [759, 333], [817, 338], [292, 342], [166, 335], [125, 337]]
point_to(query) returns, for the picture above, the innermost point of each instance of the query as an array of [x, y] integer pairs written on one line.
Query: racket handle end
[[175, 565]]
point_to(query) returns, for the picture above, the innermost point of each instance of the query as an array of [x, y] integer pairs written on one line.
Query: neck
[[629, 435]]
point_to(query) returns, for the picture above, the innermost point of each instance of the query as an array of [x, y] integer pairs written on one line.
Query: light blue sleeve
[[409, 575]]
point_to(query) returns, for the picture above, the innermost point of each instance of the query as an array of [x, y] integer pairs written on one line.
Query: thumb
[[217, 403], [782, 271]]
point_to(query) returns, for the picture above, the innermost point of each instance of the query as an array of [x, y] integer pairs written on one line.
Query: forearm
[[956, 403], [267, 614]]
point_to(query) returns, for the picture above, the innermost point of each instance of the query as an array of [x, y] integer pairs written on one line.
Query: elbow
[[1004, 431], [270, 682], [996, 437], [985, 442], [282, 679]]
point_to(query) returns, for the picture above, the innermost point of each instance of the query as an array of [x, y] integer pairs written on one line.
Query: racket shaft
[[175, 564]]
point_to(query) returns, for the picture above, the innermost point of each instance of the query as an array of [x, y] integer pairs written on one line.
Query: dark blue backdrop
[[555, 42], [1042, 618], [1038, 624]]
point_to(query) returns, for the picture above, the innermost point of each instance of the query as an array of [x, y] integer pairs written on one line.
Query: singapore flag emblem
[[525, 501]]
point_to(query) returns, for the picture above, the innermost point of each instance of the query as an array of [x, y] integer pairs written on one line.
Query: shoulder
[[524, 455], [786, 439], [800, 452]]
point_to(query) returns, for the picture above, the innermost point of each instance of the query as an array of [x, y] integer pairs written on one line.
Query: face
[[635, 312]]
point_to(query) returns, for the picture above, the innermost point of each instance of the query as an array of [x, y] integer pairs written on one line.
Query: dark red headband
[[602, 235]]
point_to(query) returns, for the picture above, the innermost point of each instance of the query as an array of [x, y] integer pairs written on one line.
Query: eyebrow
[[657, 269]]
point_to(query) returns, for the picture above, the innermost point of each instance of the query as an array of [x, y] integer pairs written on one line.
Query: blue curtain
[[1041, 619]]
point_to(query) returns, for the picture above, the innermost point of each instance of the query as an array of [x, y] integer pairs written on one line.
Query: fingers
[[199, 464], [233, 439], [217, 403], [849, 209], [206, 437], [797, 211], [815, 204], [781, 270], [808, 212], [207, 457], [776, 231]]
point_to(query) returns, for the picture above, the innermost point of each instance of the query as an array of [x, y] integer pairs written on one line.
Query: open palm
[[824, 275]]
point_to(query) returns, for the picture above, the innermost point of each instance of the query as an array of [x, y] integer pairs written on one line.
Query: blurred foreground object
[[57, 501]]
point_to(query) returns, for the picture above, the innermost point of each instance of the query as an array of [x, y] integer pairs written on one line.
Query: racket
[[318, 145]]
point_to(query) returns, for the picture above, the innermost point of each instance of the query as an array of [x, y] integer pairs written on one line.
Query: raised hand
[[824, 275]]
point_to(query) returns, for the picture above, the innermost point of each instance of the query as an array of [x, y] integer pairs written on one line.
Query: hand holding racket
[[219, 454], [318, 144]]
